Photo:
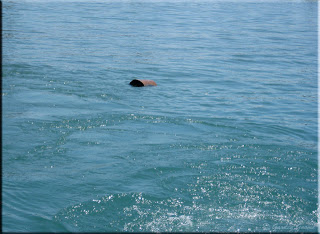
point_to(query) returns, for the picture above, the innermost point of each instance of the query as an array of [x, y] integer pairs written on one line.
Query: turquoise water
[[227, 141]]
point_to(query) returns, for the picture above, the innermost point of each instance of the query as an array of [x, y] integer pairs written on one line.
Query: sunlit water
[[227, 141]]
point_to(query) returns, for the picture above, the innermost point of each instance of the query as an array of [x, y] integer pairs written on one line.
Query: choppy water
[[227, 141]]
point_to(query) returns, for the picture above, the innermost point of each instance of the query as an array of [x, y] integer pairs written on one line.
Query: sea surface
[[227, 141]]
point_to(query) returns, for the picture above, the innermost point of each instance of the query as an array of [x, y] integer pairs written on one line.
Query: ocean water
[[227, 141]]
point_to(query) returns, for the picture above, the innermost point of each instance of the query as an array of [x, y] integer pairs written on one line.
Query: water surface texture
[[227, 141]]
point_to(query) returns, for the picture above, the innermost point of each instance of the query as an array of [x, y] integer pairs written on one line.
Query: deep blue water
[[227, 141]]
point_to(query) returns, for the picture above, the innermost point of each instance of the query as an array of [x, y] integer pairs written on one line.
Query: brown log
[[140, 83]]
